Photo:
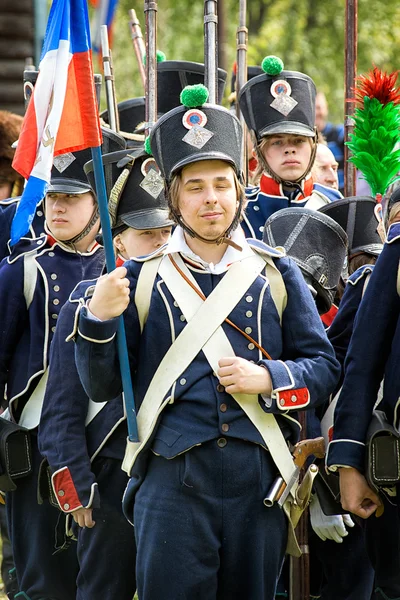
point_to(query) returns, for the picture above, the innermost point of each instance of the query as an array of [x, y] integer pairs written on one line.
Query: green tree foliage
[[308, 35]]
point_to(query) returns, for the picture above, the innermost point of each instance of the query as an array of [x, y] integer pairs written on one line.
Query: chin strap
[[290, 184], [91, 223], [224, 238]]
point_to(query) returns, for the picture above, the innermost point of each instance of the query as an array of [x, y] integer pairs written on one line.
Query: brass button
[[176, 304], [249, 313], [56, 301], [251, 346], [293, 398], [66, 506], [53, 329], [53, 276], [39, 213], [54, 316], [182, 318], [225, 427], [261, 228], [223, 407], [61, 493], [256, 208], [182, 381], [39, 242], [249, 298], [56, 288], [220, 388], [51, 253], [248, 330], [221, 442]]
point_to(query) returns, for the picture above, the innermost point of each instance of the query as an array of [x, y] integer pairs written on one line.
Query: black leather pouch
[[382, 467], [15, 454]]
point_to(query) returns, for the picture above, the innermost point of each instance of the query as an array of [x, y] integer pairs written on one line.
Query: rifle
[[150, 11], [241, 78], [109, 79], [350, 57], [138, 43], [211, 49]]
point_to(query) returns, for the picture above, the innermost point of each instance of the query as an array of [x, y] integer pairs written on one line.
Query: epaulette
[[26, 246], [360, 274], [8, 201], [262, 248], [155, 254], [83, 289], [393, 233]]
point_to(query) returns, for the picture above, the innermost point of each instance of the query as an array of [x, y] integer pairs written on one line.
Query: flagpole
[[110, 263]]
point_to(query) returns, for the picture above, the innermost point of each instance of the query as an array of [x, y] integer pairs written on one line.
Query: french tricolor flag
[[62, 114]]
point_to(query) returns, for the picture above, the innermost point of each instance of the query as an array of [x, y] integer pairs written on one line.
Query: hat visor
[[151, 218], [202, 156], [374, 249], [290, 127], [68, 186]]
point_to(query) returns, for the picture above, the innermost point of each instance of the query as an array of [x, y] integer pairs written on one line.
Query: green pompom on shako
[[272, 65], [160, 57], [194, 95], [147, 147]]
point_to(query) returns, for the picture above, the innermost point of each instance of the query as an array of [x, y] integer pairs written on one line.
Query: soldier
[[86, 474], [201, 471], [279, 108], [372, 356], [35, 282]]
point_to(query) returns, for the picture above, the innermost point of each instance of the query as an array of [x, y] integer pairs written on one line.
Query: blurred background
[[307, 34]]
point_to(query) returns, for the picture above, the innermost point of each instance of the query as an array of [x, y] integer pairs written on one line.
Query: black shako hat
[[67, 174], [357, 217], [135, 190], [174, 75], [131, 114], [279, 101], [194, 132], [316, 243]]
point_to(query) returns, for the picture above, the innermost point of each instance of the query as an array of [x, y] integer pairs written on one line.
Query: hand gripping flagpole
[[110, 263]]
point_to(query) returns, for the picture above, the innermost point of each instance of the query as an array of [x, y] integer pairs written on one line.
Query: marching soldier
[[87, 480], [35, 282], [200, 473], [279, 109]]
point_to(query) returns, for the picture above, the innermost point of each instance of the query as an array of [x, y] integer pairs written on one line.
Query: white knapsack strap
[[276, 286], [217, 347], [189, 342], [30, 415], [144, 288], [30, 277]]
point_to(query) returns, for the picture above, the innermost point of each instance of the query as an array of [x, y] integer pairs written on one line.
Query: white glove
[[328, 527]]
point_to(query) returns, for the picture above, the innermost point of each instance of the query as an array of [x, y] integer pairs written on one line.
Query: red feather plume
[[378, 84]]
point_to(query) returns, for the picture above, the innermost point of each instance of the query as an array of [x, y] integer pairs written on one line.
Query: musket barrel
[[150, 10], [138, 43], [211, 49], [108, 77]]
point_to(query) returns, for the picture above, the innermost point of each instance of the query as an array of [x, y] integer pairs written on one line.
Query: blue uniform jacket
[[374, 354], [64, 440], [262, 204], [339, 333], [304, 369], [26, 333], [7, 212]]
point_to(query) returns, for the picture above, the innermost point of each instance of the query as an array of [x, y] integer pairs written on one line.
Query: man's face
[[139, 242], [287, 155], [325, 170], [321, 111], [68, 214], [207, 198]]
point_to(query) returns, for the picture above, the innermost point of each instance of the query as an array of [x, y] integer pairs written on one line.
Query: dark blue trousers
[[41, 574], [341, 571], [107, 552], [202, 530], [383, 545]]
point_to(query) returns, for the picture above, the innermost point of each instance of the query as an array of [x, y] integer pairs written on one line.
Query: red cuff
[[65, 491], [292, 399]]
